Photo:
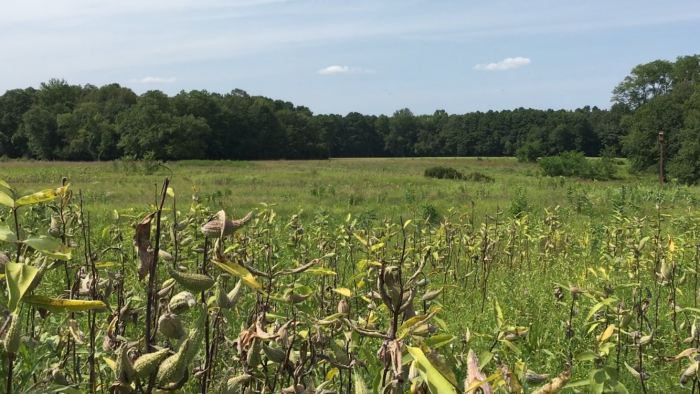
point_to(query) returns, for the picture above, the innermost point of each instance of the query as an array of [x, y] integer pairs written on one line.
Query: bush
[[575, 164], [479, 177], [441, 172], [529, 152], [430, 213]]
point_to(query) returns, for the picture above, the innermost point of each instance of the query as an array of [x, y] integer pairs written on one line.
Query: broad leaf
[[437, 384], [42, 196], [19, 278], [7, 235], [49, 246], [439, 340], [57, 305], [5, 185], [6, 200], [241, 272], [320, 271], [343, 291]]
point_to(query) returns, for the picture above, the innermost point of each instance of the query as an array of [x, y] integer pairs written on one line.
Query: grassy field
[[624, 252]]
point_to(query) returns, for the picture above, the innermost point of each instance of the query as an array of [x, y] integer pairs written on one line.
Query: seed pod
[[212, 228], [181, 302], [59, 377], [182, 225], [173, 368], [359, 383], [533, 378], [170, 326], [186, 241], [123, 369], [165, 289], [344, 307], [294, 298], [196, 336], [13, 337], [220, 294], [147, 363], [4, 259], [431, 295], [274, 354], [193, 282], [253, 359], [233, 385], [54, 229], [165, 255], [234, 294]]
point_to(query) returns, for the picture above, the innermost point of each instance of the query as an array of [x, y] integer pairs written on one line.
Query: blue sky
[[367, 56]]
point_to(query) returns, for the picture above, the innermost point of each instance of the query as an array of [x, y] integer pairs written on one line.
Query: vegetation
[[441, 172], [60, 121], [425, 286], [575, 164]]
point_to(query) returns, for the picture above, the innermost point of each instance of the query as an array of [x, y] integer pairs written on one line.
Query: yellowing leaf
[[7, 235], [343, 291], [407, 223], [42, 196], [19, 278], [241, 272], [320, 271], [110, 363], [377, 246], [359, 238], [607, 333], [170, 192], [437, 384], [5, 185], [411, 324], [57, 305], [49, 246], [6, 200], [332, 373]]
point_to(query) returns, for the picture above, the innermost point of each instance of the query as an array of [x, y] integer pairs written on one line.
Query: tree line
[[60, 121]]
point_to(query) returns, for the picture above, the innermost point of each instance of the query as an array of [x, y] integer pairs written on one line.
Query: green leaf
[[511, 346], [578, 383], [439, 340], [586, 355], [597, 381], [437, 384], [19, 277], [241, 272], [5, 185], [358, 382], [7, 235], [57, 305], [49, 246], [42, 196], [439, 364], [6, 200]]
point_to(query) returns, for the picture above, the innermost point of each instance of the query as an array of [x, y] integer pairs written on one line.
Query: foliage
[[441, 172], [575, 164]]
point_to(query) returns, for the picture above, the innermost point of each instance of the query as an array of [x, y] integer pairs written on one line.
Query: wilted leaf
[[437, 384], [7, 235], [19, 277], [241, 272], [57, 305], [142, 241], [42, 196], [49, 246], [685, 353], [439, 364]]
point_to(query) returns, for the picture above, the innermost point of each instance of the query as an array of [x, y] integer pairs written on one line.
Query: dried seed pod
[[4, 259], [123, 369], [213, 228], [181, 302], [193, 282], [147, 363], [13, 336], [170, 326], [344, 307], [431, 295], [533, 378]]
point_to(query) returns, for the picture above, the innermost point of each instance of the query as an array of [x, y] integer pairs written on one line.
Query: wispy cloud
[[344, 70], [505, 64], [154, 80]]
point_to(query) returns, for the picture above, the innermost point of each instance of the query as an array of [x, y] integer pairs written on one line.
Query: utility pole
[[661, 157]]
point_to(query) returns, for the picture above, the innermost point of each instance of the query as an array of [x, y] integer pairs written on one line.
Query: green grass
[[569, 232]]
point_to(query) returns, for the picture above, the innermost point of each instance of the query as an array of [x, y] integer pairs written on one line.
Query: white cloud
[[505, 64], [154, 80], [344, 70]]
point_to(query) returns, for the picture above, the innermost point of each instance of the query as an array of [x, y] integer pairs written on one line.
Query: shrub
[[529, 152], [430, 213], [575, 164], [479, 177], [441, 172]]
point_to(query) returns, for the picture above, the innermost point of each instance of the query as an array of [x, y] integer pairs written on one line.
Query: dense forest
[[59, 121]]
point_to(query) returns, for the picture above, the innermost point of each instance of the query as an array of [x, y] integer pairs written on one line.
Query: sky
[[368, 56]]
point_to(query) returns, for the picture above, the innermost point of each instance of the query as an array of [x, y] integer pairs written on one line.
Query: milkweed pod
[[181, 302], [147, 363], [193, 282], [13, 336]]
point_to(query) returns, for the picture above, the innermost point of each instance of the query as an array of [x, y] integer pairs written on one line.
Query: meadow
[[353, 275]]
